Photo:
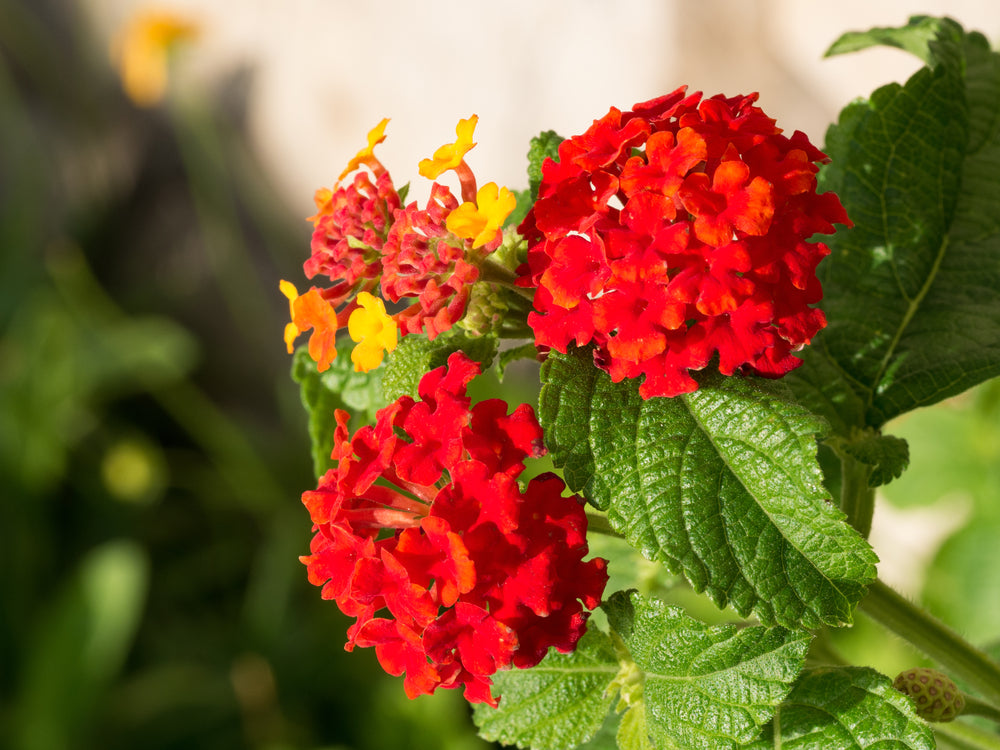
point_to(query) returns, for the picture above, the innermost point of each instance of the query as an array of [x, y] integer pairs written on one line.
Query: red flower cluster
[[424, 517], [676, 231]]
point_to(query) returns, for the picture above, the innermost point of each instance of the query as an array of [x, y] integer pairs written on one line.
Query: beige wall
[[328, 70]]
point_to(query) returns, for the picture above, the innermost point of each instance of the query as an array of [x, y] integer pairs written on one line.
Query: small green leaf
[[633, 732], [703, 687], [543, 146], [887, 455], [339, 387], [912, 291], [507, 356], [417, 355], [560, 703], [845, 708], [524, 203], [722, 483], [914, 38]]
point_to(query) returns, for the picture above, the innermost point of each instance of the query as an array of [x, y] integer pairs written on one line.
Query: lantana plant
[[725, 317]]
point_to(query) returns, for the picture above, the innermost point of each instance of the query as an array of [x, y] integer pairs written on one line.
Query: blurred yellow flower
[[141, 51], [374, 330], [481, 221], [450, 155]]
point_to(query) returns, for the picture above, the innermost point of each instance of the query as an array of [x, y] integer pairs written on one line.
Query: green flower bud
[[935, 696], [485, 311]]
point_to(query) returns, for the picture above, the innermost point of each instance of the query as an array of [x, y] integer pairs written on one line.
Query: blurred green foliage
[[152, 446]]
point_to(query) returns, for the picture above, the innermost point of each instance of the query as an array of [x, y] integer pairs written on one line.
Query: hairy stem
[[857, 499], [957, 657], [966, 737]]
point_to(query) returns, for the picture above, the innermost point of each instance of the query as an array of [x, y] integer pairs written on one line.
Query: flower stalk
[[957, 657]]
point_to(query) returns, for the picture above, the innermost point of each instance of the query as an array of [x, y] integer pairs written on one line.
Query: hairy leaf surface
[[560, 703], [703, 687], [912, 291], [722, 484], [845, 708]]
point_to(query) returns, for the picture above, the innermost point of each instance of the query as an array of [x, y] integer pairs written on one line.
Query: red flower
[[678, 232], [424, 535]]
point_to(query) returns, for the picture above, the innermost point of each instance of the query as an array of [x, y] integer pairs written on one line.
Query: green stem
[[976, 707], [857, 499], [598, 523], [494, 273], [958, 658], [967, 737]]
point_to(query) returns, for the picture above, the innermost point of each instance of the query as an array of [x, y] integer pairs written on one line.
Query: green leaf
[[722, 483], [710, 687], [524, 203], [417, 355], [887, 455], [913, 38], [507, 356], [560, 703], [912, 291], [633, 731], [339, 387], [543, 146], [845, 708]]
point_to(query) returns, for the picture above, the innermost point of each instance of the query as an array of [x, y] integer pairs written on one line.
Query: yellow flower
[[141, 50], [366, 155], [481, 221], [373, 330], [310, 310], [450, 155]]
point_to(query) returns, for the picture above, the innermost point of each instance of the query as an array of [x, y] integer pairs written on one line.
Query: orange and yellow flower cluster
[[423, 260]]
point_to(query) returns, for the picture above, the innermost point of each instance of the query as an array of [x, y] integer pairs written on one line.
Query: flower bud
[[934, 695]]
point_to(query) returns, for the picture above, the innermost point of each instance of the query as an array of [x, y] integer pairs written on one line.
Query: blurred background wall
[[152, 446]]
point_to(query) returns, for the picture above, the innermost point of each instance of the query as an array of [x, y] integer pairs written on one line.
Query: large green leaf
[[722, 483], [912, 291], [560, 703], [710, 687], [845, 708]]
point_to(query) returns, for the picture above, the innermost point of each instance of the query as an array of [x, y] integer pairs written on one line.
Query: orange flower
[[481, 221], [451, 155], [310, 310], [366, 155], [141, 52]]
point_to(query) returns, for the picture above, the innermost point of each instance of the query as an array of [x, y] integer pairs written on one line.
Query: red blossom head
[[425, 537], [676, 233]]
